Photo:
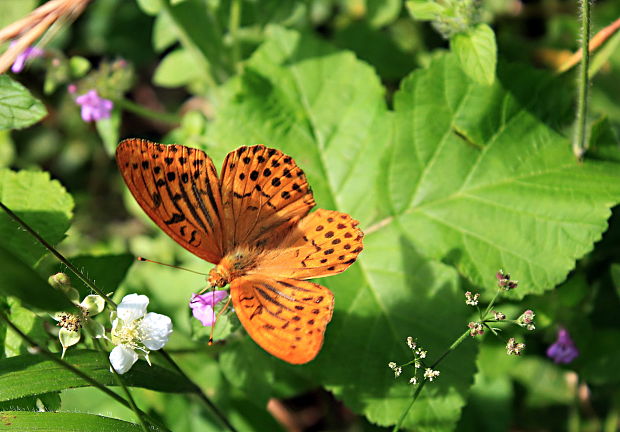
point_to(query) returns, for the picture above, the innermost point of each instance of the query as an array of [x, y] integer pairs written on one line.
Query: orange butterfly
[[254, 224]]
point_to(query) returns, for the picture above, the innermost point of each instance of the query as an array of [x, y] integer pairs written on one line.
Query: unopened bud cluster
[[504, 282]]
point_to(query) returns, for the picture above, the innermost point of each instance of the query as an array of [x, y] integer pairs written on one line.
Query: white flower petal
[[157, 329], [132, 307], [122, 358]]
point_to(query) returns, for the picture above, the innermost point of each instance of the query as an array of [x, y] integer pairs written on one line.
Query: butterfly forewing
[[286, 317], [264, 193], [177, 187], [323, 243]]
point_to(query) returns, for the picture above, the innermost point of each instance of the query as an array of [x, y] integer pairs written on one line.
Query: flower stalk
[[581, 132]]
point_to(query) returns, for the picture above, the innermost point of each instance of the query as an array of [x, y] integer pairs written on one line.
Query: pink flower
[[27, 54], [94, 107], [563, 350], [203, 306]]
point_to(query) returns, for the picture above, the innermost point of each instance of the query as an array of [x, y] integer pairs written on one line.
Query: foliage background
[[453, 174]]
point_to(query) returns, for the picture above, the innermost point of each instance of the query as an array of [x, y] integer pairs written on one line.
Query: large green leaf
[[18, 108], [43, 203], [28, 375], [327, 109], [478, 180], [26, 421]]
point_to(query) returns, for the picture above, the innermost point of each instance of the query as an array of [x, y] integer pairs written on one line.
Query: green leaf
[[327, 109], [477, 180], [18, 108], [44, 402], [477, 53], [19, 280], [43, 203], [28, 322], [177, 69], [30, 375], [26, 421], [424, 10], [163, 34], [247, 368]]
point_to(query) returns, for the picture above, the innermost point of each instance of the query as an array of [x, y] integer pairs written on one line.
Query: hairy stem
[[580, 136], [57, 254]]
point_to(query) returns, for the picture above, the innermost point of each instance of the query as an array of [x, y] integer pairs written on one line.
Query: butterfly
[[254, 223]]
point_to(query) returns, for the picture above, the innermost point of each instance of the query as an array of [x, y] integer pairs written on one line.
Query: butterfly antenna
[[142, 259], [216, 318]]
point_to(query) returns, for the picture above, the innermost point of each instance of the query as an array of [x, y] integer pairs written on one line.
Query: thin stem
[[210, 405], [452, 347], [121, 383], [57, 254], [145, 112], [69, 366], [579, 139], [235, 19], [488, 309]]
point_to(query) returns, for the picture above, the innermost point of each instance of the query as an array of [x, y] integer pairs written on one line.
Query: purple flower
[[563, 350], [28, 53], [202, 306], [94, 107]]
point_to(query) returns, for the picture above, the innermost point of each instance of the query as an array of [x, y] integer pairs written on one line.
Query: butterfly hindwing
[[286, 317], [323, 243], [177, 187], [264, 192]]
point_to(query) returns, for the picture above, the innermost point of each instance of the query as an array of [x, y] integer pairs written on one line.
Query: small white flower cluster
[[431, 374], [514, 348], [418, 355], [397, 369], [471, 299]]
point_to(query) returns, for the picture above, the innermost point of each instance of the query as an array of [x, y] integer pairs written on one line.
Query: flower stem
[[57, 254], [452, 347], [210, 405], [145, 112], [580, 136], [121, 383], [488, 309], [235, 18], [71, 368]]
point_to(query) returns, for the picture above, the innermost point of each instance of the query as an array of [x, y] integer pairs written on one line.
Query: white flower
[[413, 381], [134, 329], [411, 343], [430, 374]]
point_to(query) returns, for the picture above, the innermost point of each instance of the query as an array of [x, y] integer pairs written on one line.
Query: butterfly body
[[254, 223]]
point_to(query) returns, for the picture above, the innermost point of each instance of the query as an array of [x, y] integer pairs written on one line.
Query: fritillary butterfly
[[253, 222]]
